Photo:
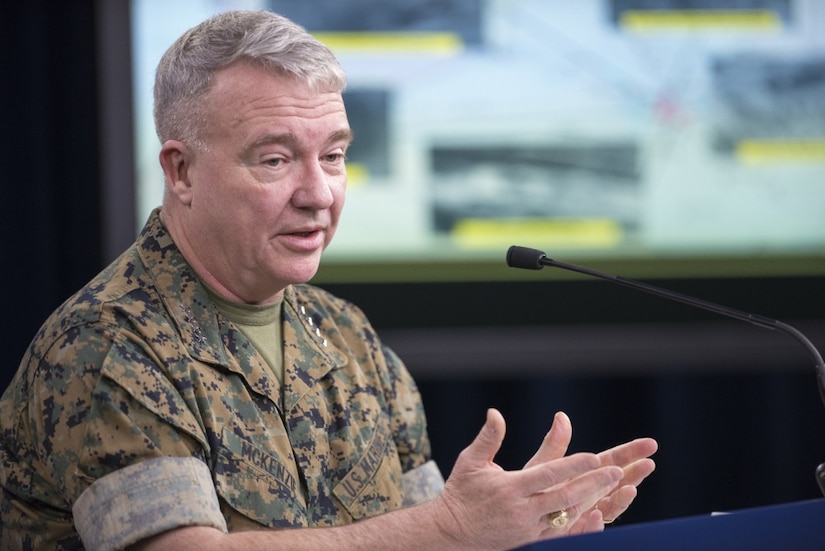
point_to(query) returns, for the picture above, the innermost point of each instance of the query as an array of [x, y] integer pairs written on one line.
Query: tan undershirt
[[261, 323]]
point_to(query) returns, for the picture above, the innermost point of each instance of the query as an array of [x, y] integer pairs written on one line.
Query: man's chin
[[305, 270]]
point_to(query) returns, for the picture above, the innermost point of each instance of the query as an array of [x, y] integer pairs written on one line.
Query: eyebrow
[[288, 138], [345, 135]]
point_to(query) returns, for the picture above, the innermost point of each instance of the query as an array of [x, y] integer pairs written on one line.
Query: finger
[[636, 472], [555, 442], [620, 499], [589, 522], [488, 441], [629, 452], [578, 499], [545, 476], [580, 494], [616, 503]]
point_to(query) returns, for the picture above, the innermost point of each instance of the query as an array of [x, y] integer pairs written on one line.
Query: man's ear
[[176, 161]]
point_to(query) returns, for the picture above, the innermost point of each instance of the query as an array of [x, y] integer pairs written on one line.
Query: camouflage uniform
[[142, 407]]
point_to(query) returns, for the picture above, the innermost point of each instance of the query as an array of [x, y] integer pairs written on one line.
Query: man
[[197, 392]]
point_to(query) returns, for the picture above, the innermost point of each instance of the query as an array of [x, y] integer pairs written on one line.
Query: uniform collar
[[197, 321], [180, 289]]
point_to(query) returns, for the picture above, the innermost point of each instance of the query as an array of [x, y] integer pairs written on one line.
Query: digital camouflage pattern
[[145, 499], [139, 365]]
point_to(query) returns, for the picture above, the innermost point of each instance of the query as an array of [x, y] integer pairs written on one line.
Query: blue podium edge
[[799, 526]]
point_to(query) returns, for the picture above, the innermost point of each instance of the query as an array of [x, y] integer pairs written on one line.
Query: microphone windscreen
[[523, 257]]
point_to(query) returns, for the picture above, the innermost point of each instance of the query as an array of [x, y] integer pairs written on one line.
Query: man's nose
[[314, 189]]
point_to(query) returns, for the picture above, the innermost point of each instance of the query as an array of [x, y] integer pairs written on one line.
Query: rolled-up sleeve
[[146, 499], [422, 484]]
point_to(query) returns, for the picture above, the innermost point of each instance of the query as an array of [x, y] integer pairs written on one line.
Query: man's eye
[[274, 161], [336, 157]]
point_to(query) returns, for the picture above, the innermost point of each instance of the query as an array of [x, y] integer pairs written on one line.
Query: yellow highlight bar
[[357, 174], [584, 232], [441, 43], [654, 20], [780, 151]]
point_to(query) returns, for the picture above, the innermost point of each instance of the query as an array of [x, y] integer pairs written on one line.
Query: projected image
[[600, 127], [368, 112], [463, 18], [768, 98], [588, 194]]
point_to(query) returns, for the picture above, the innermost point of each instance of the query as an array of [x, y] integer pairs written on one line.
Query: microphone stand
[[532, 259]]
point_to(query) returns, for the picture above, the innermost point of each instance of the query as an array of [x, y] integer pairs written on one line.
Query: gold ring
[[558, 519]]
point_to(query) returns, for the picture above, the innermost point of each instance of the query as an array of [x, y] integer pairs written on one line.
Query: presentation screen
[[671, 137]]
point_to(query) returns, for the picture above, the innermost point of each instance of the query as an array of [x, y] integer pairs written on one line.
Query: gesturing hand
[[485, 507], [633, 457]]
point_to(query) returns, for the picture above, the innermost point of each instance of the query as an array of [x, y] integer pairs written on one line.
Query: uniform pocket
[[374, 485], [259, 485]]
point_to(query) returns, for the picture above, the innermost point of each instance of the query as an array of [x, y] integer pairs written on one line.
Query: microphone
[[533, 259]]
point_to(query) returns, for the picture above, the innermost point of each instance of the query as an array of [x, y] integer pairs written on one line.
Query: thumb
[[486, 444]]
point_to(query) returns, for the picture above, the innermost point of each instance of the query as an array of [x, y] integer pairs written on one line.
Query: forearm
[[418, 527]]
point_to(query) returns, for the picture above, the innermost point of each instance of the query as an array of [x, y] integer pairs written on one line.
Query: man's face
[[267, 192]]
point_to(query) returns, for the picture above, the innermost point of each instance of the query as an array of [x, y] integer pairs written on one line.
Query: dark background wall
[[48, 161], [735, 408]]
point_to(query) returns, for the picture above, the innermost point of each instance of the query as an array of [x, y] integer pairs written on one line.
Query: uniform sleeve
[[114, 408], [422, 484], [407, 417], [100, 411], [146, 499]]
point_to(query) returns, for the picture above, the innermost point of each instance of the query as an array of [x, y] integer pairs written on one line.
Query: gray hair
[[263, 38]]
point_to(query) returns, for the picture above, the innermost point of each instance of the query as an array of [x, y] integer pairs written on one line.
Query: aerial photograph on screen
[[598, 128]]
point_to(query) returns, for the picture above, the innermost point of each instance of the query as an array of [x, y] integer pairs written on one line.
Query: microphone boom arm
[[532, 259], [754, 319]]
